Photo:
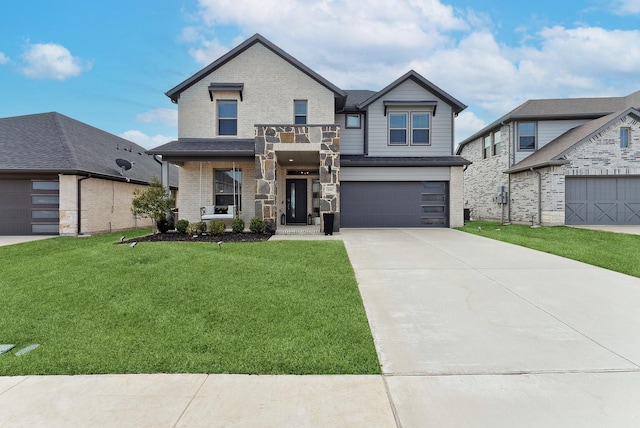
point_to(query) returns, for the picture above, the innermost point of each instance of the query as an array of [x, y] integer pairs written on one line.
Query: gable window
[[227, 189], [526, 136], [486, 146], [227, 117], [625, 134], [398, 129], [353, 121], [300, 112], [420, 128], [496, 143]]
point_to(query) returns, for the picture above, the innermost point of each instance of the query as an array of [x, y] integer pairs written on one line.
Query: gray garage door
[[394, 204], [610, 200], [29, 207]]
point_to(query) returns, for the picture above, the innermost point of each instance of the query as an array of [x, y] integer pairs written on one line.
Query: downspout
[[539, 196], [79, 204]]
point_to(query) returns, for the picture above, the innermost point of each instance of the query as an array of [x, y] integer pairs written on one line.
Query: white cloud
[[626, 7], [4, 59], [51, 61], [144, 140], [165, 116], [467, 123]]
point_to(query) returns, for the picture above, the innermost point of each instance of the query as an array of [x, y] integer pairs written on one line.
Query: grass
[[283, 307], [615, 251]]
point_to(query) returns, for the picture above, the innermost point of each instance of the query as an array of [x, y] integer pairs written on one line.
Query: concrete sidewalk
[[476, 332]]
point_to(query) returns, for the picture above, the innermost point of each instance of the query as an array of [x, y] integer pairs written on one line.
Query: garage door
[[29, 207], [610, 200], [394, 204]]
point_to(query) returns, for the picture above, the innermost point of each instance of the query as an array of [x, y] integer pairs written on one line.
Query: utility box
[[503, 195]]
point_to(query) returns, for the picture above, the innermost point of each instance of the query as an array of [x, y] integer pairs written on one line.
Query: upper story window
[[625, 135], [227, 117], [526, 136], [420, 128], [486, 146], [398, 123], [353, 121], [496, 143], [409, 128], [300, 112]]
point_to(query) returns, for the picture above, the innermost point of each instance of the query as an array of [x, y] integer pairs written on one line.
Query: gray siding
[[351, 140], [548, 130], [441, 124], [394, 174]]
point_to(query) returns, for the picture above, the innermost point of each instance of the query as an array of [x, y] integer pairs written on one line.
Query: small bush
[[200, 227], [162, 224], [270, 227], [256, 225], [182, 226], [216, 227], [237, 225]]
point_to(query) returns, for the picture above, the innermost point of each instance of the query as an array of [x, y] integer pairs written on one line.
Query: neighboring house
[[261, 134], [561, 161], [60, 176]]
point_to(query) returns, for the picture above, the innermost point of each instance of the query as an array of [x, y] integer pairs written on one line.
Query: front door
[[297, 201]]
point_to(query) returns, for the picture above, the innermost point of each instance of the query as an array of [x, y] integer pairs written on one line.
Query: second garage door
[[600, 200], [394, 204]]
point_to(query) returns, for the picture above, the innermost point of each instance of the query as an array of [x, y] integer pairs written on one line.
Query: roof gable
[[175, 92], [553, 152], [456, 105]]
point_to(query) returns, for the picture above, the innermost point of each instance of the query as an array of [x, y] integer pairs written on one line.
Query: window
[[227, 188], [420, 128], [45, 199], [45, 185], [486, 146], [527, 136], [353, 121], [398, 128], [496, 143], [39, 214], [227, 118], [300, 112], [625, 134]]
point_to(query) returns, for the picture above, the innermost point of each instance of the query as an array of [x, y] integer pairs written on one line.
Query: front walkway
[[476, 332]]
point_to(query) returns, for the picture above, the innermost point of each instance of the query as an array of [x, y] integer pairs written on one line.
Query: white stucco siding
[[271, 84], [441, 124]]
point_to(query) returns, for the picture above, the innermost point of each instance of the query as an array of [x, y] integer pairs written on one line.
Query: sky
[[109, 63]]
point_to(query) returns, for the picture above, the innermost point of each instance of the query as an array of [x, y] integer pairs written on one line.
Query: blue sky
[[109, 64]]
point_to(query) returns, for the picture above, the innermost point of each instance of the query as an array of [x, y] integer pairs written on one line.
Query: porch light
[[290, 160]]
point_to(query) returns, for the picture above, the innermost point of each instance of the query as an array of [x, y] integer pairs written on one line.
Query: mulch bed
[[183, 237]]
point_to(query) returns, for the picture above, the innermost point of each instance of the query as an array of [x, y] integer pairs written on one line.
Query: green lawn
[[614, 251], [267, 307]]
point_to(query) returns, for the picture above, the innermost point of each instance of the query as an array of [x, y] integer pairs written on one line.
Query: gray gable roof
[[206, 147], [567, 108], [553, 152], [175, 92], [355, 97], [456, 105], [54, 143]]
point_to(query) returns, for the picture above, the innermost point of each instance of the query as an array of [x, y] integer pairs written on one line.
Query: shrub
[[270, 227], [182, 226], [200, 227], [163, 224], [216, 227], [237, 225], [256, 225]]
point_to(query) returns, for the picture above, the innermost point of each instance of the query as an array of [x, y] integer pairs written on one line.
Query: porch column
[[266, 161], [330, 173]]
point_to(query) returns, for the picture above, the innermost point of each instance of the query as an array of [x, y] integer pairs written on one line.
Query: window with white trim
[[625, 136], [420, 128], [486, 146], [496, 143], [353, 121], [409, 128], [526, 136], [398, 124], [227, 117]]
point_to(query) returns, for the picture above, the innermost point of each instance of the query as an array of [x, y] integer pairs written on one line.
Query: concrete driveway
[[475, 332]]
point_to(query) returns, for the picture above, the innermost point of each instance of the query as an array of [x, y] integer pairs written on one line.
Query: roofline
[[88, 174], [174, 93], [457, 105], [554, 162]]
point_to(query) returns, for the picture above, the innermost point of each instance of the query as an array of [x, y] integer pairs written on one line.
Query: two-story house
[[557, 161], [261, 134]]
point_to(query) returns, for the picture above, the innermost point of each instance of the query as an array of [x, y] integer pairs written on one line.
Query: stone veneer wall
[[483, 176], [269, 139]]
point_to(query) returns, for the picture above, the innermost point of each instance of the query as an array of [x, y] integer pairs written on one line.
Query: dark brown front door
[[296, 201]]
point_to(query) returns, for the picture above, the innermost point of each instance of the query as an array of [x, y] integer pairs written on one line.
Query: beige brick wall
[[106, 206], [270, 86], [196, 188]]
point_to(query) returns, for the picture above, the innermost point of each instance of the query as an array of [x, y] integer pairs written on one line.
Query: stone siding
[[483, 176], [106, 206], [196, 188], [271, 84]]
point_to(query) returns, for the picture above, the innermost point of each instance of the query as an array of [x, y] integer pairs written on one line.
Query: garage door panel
[[602, 200], [27, 208], [394, 204]]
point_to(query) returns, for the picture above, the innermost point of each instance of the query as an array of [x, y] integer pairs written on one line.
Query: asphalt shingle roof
[[52, 142], [207, 147]]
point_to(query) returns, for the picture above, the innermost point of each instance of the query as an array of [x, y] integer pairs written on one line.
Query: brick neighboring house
[[562, 161], [261, 134], [60, 176]]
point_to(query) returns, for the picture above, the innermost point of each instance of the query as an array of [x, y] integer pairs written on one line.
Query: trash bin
[[328, 223]]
